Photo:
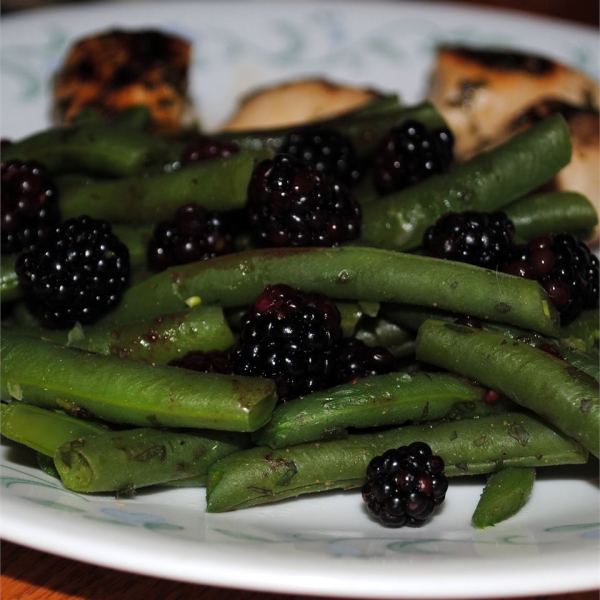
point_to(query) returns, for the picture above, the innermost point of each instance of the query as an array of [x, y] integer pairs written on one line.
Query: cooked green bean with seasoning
[[206, 310]]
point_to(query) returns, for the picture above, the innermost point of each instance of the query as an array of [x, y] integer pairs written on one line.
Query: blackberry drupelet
[[329, 150], [214, 361], [77, 274], [477, 238], [29, 205], [469, 321], [203, 147], [410, 153], [357, 360], [194, 234], [564, 266], [291, 337], [405, 485], [292, 203]]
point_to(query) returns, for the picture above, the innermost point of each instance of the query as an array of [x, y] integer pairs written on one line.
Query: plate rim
[[210, 566], [552, 584]]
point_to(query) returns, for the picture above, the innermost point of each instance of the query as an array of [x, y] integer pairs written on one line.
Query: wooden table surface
[[31, 575]]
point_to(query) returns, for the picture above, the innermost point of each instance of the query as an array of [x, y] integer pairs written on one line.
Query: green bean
[[158, 340], [364, 129], [489, 181], [353, 312], [347, 273], [87, 116], [188, 482], [46, 464], [164, 338], [364, 191], [41, 429], [564, 396], [126, 391], [128, 460], [375, 331], [391, 399], [551, 212], [136, 239], [65, 181], [468, 447], [10, 289], [137, 117], [351, 315], [573, 350], [583, 331], [505, 493], [218, 184], [46, 431], [94, 148]]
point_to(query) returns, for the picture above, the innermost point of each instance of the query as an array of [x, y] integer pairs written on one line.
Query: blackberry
[[410, 153], [292, 203], [203, 147], [213, 361], [477, 238], [469, 321], [29, 205], [357, 360], [329, 150], [564, 266], [291, 337], [405, 485], [77, 274], [194, 234]]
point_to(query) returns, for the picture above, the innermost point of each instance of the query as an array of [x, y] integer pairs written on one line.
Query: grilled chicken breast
[[118, 69], [296, 102], [479, 91]]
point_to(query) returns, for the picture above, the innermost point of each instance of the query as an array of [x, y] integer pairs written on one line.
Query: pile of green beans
[[106, 413]]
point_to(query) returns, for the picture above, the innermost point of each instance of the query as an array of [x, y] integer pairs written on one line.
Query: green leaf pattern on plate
[[358, 547], [290, 42]]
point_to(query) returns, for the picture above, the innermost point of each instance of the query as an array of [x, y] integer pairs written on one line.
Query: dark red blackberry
[[477, 238], [329, 150], [213, 361], [469, 321], [204, 147], [292, 203], [291, 337], [77, 274], [549, 349], [405, 485], [194, 234], [29, 205], [564, 266], [410, 153], [357, 360]]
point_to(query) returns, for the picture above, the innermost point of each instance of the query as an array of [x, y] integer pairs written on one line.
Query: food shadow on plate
[[17, 454], [590, 472]]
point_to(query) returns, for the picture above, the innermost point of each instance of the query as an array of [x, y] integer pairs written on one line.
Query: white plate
[[323, 544]]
